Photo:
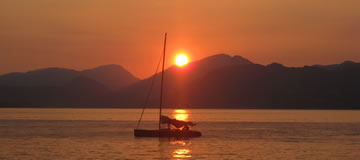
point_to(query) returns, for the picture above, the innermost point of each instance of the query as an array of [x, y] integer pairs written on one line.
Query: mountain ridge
[[112, 76], [219, 81]]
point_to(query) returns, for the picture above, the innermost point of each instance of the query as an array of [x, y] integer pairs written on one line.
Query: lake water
[[227, 134]]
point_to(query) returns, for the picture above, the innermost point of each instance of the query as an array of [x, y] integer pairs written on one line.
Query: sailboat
[[176, 128]]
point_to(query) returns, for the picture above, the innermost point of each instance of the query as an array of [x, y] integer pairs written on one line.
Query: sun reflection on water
[[175, 149], [178, 149], [182, 153], [180, 114]]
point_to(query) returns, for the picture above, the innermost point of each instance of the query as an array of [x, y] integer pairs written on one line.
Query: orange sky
[[83, 34]]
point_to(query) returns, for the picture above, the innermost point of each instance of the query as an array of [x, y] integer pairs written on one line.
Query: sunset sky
[[83, 34]]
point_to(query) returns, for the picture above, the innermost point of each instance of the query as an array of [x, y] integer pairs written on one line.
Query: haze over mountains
[[218, 81]]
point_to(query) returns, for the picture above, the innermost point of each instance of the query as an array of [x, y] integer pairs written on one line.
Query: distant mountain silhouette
[[59, 87], [218, 81], [222, 81], [343, 66], [177, 80], [41, 77], [110, 76]]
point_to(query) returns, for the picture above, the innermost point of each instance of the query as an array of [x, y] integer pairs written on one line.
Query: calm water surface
[[227, 134]]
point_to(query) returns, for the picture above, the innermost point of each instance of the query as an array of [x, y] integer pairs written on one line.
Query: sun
[[181, 60], [180, 114]]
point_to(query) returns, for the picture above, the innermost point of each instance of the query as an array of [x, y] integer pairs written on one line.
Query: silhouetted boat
[[165, 133], [182, 127]]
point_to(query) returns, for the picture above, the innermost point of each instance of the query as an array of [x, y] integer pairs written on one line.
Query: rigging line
[[150, 89]]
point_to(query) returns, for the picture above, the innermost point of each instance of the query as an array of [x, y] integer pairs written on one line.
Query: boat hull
[[165, 133]]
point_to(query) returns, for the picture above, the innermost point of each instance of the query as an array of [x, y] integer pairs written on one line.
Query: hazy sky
[[83, 34]]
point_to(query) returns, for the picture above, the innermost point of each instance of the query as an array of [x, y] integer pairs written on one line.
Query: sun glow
[[180, 114], [181, 153], [181, 59]]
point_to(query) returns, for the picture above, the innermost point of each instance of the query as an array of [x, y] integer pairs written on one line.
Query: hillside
[[218, 81]]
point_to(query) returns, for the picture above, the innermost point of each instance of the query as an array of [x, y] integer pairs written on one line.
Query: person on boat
[[186, 128], [176, 123]]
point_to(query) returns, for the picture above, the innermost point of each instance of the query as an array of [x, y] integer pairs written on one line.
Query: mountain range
[[219, 81]]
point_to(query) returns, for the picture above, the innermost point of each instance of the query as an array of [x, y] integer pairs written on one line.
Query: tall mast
[[162, 81]]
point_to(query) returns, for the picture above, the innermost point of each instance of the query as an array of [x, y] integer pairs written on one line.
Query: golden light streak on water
[[180, 114]]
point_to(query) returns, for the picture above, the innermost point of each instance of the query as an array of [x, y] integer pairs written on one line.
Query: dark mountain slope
[[218, 81], [255, 86], [262, 87], [56, 87], [41, 77], [112, 76], [176, 80]]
